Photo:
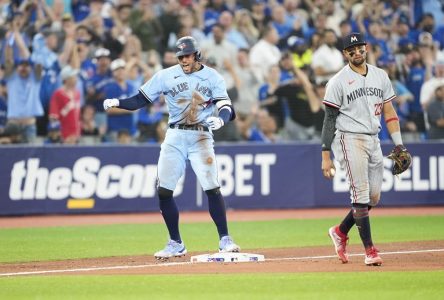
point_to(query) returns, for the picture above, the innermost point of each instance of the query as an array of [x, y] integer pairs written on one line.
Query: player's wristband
[[391, 119], [396, 138], [325, 148], [225, 114]]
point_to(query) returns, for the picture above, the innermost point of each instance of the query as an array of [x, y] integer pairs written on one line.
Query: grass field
[[60, 243], [364, 285]]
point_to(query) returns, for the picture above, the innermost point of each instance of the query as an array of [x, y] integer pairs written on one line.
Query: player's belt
[[366, 133], [189, 127]]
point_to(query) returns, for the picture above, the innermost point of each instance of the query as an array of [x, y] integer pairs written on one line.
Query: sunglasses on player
[[353, 52]]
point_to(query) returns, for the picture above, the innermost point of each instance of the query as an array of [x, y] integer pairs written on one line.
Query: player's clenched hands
[[214, 123], [108, 103]]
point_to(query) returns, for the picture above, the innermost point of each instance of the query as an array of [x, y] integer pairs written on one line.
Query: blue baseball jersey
[[191, 97]]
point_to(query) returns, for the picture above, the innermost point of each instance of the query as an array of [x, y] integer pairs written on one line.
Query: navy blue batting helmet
[[188, 45]]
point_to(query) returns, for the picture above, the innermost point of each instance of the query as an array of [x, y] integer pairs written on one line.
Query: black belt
[[366, 133], [189, 127]]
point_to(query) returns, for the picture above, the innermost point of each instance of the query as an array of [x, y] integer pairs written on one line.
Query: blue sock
[[216, 207], [170, 213]]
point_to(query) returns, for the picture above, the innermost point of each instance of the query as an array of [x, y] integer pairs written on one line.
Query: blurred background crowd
[[61, 58]]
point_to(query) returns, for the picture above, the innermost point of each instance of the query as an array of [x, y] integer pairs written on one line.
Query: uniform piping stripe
[[390, 99], [352, 186], [146, 96], [330, 104]]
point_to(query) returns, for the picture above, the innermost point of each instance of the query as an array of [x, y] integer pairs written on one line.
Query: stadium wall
[[115, 179]]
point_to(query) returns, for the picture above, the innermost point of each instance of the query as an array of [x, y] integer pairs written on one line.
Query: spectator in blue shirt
[[268, 98], [96, 84], [119, 87], [231, 34], [17, 24], [45, 46], [265, 129], [211, 14], [400, 103], [3, 105], [23, 86], [415, 77]]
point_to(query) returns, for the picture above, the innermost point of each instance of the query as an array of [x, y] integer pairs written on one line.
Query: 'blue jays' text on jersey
[[190, 97]]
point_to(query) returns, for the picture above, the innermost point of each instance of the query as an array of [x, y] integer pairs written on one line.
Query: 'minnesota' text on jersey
[[359, 98]]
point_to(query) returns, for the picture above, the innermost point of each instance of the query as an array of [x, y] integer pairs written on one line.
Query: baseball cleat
[[226, 244], [340, 241], [372, 257], [172, 249]]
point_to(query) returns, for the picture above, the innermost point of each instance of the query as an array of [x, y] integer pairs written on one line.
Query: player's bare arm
[[328, 133], [392, 122], [401, 157]]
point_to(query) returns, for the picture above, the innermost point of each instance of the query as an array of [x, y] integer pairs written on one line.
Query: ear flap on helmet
[[198, 55]]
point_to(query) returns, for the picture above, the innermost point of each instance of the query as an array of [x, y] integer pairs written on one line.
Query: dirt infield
[[411, 256]]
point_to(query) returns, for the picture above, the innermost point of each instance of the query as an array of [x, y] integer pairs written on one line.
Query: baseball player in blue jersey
[[355, 99], [197, 103]]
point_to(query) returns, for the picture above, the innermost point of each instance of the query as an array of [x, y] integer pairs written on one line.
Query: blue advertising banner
[[422, 184], [106, 179]]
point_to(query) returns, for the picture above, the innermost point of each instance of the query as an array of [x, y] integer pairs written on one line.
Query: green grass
[[58, 243], [365, 285]]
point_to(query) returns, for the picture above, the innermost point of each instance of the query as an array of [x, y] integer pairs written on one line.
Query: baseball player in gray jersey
[[355, 99], [197, 103]]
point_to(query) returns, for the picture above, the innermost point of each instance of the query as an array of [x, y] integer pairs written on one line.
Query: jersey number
[[378, 108]]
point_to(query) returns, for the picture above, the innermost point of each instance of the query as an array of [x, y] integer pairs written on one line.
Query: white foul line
[[334, 256], [97, 269], [189, 263]]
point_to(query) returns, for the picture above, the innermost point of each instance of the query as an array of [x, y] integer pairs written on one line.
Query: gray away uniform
[[356, 146]]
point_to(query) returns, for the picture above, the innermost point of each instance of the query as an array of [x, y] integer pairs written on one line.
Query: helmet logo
[[182, 46], [353, 39]]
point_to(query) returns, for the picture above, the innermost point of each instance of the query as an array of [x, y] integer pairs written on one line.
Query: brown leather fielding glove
[[401, 159]]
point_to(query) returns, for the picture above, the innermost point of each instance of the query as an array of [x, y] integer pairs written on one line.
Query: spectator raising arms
[[23, 84], [239, 39]]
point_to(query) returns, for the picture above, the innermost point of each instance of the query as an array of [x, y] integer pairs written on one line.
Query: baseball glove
[[401, 159]]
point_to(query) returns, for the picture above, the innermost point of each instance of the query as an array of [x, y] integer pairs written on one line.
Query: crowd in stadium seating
[[61, 58]]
